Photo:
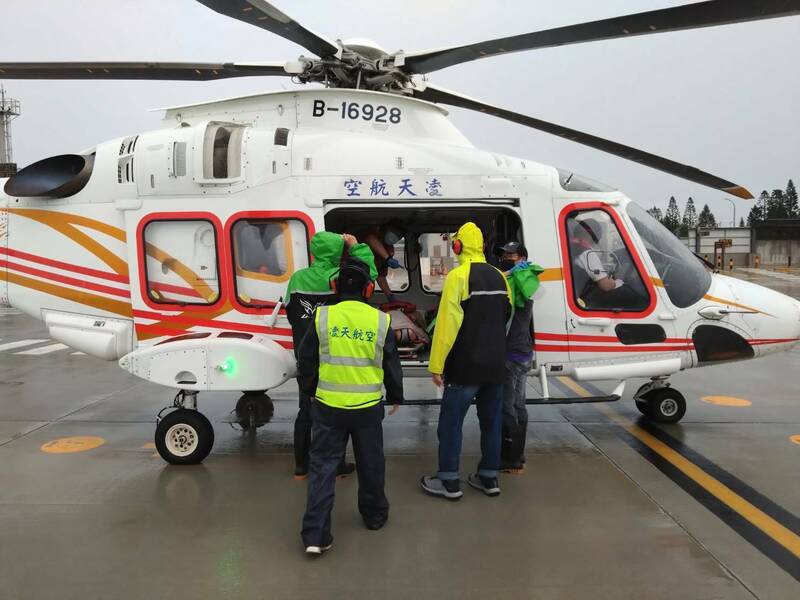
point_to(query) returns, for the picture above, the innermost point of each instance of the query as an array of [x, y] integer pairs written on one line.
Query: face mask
[[507, 264], [391, 238]]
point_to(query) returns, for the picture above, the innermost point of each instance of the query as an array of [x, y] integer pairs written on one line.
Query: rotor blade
[[262, 14], [441, 96], [138, 70], [689, 16]]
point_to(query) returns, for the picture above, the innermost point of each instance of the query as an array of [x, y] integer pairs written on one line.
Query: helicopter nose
[[771, 318]]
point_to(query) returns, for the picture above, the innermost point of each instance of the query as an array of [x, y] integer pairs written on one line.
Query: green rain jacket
[[310, 288]]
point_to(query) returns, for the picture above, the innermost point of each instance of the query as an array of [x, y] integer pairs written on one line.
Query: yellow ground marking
[[68, 445], [149, 446], [783, 536], [795, 439], [726, 401]]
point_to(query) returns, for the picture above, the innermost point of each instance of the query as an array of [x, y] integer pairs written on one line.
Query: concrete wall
[[777, 252], [740, 251]]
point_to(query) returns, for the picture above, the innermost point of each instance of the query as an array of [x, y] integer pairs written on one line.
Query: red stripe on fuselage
[[212, 323], [64, 266], [96, 287]]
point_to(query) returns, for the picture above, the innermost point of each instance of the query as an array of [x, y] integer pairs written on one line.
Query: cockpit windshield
[[685, 278]]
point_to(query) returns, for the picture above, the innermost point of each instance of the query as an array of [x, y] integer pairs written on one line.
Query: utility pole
[[9, 110], [733, 204]]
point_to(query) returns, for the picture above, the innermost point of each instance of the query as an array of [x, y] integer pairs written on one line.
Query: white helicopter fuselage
[[148, 263]]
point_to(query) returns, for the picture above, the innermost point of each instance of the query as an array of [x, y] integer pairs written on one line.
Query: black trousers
[[331, 426], [302, 434]]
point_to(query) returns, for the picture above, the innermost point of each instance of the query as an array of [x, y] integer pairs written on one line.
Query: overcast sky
[[723, 99]]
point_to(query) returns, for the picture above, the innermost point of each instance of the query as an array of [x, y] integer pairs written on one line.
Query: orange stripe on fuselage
[[107, 304]]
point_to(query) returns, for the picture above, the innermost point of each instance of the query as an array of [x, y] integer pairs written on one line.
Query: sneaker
[[488, 485], [345, 468], [317, 550], [450, 488]]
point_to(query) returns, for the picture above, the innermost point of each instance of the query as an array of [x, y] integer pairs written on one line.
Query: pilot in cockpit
[[596, 271]]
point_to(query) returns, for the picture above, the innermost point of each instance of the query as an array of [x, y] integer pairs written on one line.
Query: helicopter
[[169, 251]]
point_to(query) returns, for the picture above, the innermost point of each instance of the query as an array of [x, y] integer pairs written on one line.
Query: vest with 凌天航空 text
[[351, 339]]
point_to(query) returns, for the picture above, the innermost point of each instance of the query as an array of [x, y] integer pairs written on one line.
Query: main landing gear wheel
[[664, 405], [184, 437], [253, 410]]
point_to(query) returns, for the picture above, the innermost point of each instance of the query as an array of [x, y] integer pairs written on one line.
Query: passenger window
[[265, 254], [436, 260], [222, 151], [604, 275], [181, 262]]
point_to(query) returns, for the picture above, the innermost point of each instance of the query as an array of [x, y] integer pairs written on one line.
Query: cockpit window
[[604, 275], [685, 278]]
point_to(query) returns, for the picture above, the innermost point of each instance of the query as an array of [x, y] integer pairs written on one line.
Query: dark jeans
[[515, 412], [455, 404], [302, 434], [331, 426]]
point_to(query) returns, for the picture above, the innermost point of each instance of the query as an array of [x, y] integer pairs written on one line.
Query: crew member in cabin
[[308, 289], [381, 240], [523, 279], [344, 360], [467, 358]]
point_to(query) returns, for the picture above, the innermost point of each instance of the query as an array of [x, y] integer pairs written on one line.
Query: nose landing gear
[[184, 436], [659, 402]]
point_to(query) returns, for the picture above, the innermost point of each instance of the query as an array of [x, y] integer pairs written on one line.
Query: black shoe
[[512, 467], [446, 488], [345, 468], [300, 472], [375, 524], [488, 485]]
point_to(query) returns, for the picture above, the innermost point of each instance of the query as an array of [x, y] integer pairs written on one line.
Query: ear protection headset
[[457, 246], [362, 269]]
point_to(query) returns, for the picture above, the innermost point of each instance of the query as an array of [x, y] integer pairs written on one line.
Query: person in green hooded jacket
[[307, 290], [523, 279]]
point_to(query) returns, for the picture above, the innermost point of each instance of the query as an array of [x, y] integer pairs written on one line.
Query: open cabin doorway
[[425, 255]]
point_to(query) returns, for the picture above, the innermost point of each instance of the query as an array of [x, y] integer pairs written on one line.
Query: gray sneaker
[[450, 488], [488, 485]]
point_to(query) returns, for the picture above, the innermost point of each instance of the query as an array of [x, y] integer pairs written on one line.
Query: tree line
[[780, 204], [680, 225]]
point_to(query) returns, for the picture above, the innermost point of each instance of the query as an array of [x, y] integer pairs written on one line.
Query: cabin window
[[604, 275], [265, 254], [222, 151], [181, 264], [436, 260]]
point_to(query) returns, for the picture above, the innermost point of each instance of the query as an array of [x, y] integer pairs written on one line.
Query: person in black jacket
[[468, 358], [343, 361]]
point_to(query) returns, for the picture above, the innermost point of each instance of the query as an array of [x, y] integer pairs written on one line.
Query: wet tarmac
[[609, 506]]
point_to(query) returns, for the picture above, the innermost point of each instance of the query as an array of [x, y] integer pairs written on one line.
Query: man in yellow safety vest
[[343, 362]]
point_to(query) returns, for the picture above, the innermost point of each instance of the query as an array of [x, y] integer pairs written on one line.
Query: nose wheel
[[184, 436], [661, 404]]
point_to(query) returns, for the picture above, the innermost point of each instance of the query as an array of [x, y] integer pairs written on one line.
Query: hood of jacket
[[327, 248], [471, 240]]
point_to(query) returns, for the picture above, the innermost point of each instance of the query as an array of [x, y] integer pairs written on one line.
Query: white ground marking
[[79, 354], [43, 350], [19, 344]]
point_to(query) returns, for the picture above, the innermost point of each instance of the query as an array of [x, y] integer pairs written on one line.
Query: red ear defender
[[369, 289], [457, 247]]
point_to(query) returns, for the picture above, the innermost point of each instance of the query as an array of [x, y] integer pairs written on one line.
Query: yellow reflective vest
[[351, 338]]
